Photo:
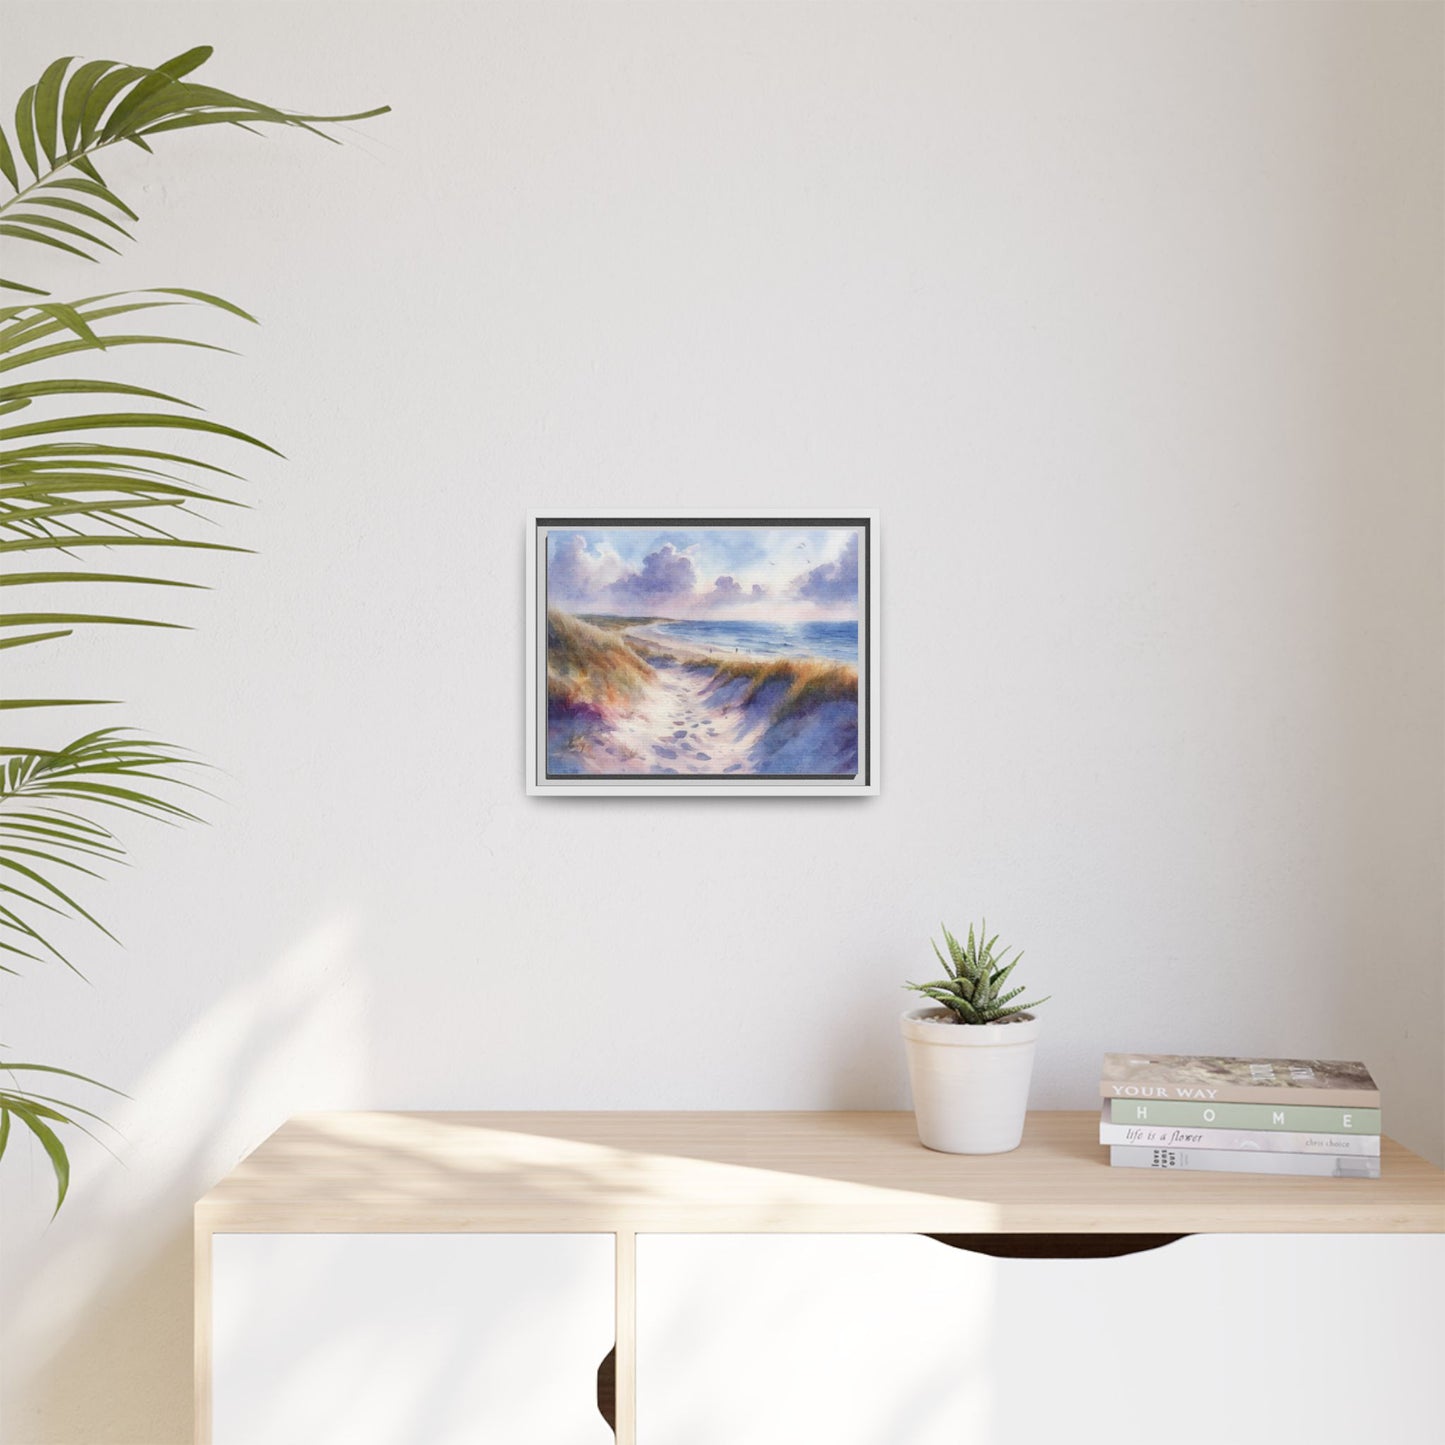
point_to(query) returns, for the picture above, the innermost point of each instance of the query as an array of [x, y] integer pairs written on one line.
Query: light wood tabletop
[[638, 1173], [684, 1172]]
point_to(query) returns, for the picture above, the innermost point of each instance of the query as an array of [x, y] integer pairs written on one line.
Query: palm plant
[[974, 987], [75, 484]]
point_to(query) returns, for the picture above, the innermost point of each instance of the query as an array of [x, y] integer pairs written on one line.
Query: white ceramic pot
[[970, 1081]]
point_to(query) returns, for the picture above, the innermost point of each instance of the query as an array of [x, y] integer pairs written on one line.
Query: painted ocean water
[[835, 640]]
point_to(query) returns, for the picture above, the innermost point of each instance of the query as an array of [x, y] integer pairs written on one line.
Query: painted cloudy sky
[[769, 573]]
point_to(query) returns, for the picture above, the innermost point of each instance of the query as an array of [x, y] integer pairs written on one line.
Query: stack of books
[[1241, 1116]]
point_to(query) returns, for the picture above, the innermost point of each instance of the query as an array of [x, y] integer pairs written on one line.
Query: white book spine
[[1233, 1161], [1257, 1141]]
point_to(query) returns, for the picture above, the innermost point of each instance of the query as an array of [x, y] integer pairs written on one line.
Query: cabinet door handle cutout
[[1056, 1246], [607, 1389]]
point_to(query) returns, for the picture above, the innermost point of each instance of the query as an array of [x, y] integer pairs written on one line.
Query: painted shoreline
[[690, 651]]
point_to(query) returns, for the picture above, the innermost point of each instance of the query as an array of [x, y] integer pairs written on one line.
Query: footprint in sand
[[733, 768], [703, 757], [680, 733], [657, 769], [662, 752]]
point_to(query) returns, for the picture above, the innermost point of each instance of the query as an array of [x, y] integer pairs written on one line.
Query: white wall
[[1128, 320]]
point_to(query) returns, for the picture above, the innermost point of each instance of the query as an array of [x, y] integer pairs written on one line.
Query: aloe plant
[[974, 987], [75, 484]]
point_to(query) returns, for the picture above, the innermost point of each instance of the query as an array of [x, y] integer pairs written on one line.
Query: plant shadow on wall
[[92, 472], [96, 1334]]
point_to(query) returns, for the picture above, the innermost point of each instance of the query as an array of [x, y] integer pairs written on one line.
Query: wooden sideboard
[[603, 1187]]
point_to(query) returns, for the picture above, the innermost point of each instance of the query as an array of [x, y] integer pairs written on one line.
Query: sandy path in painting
[[691, 710], [674, 728]]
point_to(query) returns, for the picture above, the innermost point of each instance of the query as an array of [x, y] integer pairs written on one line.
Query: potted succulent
[[970, 1058]]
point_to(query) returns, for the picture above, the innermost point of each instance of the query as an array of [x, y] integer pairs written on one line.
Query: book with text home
[[1216, 1079], [1301, 1118]]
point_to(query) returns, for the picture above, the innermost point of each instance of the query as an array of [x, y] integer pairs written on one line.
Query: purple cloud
[[832, 581], [575, 573], [666, 573], [727, 591]]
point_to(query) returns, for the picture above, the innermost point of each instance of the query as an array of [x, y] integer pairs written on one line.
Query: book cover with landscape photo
[[1210, 1078]]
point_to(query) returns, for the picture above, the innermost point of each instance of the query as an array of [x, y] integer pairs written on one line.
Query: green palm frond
[[974, 990], [63, 490], [60, 200], [92, 472], [40, 1113], [45, 799]]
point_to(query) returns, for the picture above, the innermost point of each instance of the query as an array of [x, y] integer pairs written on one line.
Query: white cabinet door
[[410, 1339], [900, 1340]]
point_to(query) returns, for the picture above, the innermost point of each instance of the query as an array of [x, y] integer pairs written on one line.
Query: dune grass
[[589, 667], [808, 682], [608, 622]]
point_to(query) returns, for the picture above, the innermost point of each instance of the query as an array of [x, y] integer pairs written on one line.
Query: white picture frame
[[542, 782]]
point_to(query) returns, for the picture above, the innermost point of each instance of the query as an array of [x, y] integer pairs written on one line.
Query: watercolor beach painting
[[672, 653]]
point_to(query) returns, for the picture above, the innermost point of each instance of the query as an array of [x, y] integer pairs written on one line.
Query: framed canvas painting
[[701, 654]]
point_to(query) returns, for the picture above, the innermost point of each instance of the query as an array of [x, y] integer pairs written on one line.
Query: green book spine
[[1307, 1118]]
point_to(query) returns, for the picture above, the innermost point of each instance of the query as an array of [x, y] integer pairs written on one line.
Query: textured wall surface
[[1126, 318]]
